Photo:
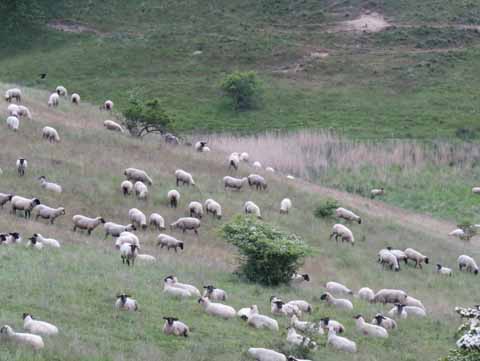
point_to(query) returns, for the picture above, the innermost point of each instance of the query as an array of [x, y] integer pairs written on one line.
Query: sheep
[[270, 169], [49, 186], [10, 238], [264, 354], [412, 301], [213, 208], [34, 242], [401, 256], [244, 157], [138, 218], [53, 100], [444, 270], [174, 282], [38, 327], [340, 343], [114, 229], [127, 237], [107, 105], [280, 308], [345, 234], [195, 209], [24, 204], [13, 93], [257, 320], [369, 329], [113, 126], [128, 253], [22, 165], [146, 258], [285, 205], [35, 341], [468, 263], [458, 232], [377, 192], [141, 190], [217, 309], [200, 146], [173, 198], [134, 174], [386, 295], [299, 340], [164, 240], [13, 123], [389, 259], [215, 294], [86, 223], [252, 208], [173, 326], [366, 294], [338, 288], [298, 278], [302, 305], [46, 241], [186, 223], [340, 303], [184, 178], [126, 303], [171, 139], [61, 91], [234, 183], [290, 177], [233, 161], [347, 215], [126, 187], [385, 322], [258, 181], [75, 99], [327, 323], [156, 221], [23, 111], [5, 198], [171, 290], [416, 256], [257, 165], [50, 134], [476, 190], [304, 326], [402, 311], [13, 109]]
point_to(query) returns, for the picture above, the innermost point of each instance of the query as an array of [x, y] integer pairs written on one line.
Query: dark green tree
[[242, 88], [144, 117]]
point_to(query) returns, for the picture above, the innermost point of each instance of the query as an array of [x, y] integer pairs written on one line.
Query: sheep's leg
[[52, 220], [420, 265], [74, 228], [123, 260], [106, 235], [196, 232], [89, 232], [177, 181], [175, 247]]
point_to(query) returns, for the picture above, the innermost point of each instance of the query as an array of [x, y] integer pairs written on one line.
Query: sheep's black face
[[36, 201], [15, 235], [439, 266], [306, 277], [102, 220], [200, 301], [3, 238], [181, 246], [323, 297], [357, 317], [134, 228], [476, 271], [25, 315], [279, 304], [426, 260]]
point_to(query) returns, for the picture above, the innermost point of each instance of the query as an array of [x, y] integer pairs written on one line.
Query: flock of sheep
[[212, 300]]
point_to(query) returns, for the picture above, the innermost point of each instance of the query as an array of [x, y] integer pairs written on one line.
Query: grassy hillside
[[75, 286], [417, 78]]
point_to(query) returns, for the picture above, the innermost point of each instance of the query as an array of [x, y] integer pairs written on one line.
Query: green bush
[[462, 355], [267, 256], [242, 88], [326, 208]]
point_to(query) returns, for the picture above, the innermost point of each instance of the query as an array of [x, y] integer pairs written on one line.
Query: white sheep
[[170, 290], [252, 208], [402, 311], [138, 218], [13, 109], [217, 309], [195, 209], [35, 243], [298, 278], [264, 354], [127, 237], [233, 161], [234, 183], [156, 221], [416, 256], [24, 204], [75, 98], [13, 93], [200, 146], [366, 294], [387, 295], [22, 165], [347, 215], [280, 308], [285, 205], [270, 169], [173, 198], [114, 229], [467, 263], [401, 256], [128, 253], [186, 223], [444, 270], [126, 303], [173, 326], [257, 320], [244, 157], [302, 305], [338, 288], [257, 165], [38, 327], [386, 322], [340, 303], [10, 238], [214, 293], [53, 100], [50, 134], [141, 190], [296, 339], [46, 241], [476, 190], [13, 123], [145, 257], [458, 232], [173, 281], [377, 192], [214, 208], [340, 343], [305, 326], [184, 177], [369, 329], [164, 240], [258, 181], [127, 187], [412, 301], [107, 105], [327, 323], [111, 125], [345, 234], [5, 198], [49, 186], [134, 174], [387, 258], [86, 223], [61, 91], [34, 341], [23, 111]]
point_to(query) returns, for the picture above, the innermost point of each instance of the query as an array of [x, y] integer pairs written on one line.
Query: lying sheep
[[345, 234], [302, 305], [49, 186], [107, 105], [22, 165], [366, 294], [385, 322], [61, 91], [5, 198], [416, 256], [10, 238], [35, 243], [128, 253], [412, 301], [113, 126], [86, 223], [340, 343], [296, 339], [51, 242], [170, 290], [328, 324], [34, 341], [467, 263], [200, 146], [156, 221], [138, 218], [190, 288], [13, 93], [340, 303], [377, 192], [50, 134], [444, 270], [280, 308], [217, 309], [174, 327], [24, 204], [298, 278], [53, 100], [164, 240], [141, 190], [257, 320], [285, 205], [183, 177], [125, 302], [173, 198], [195, 209], [402, 312], [114, 229], [186, 223], [38, 327], [258, 181], [134, 174], [233, 161], [234, 183], [214, 208], [13, 123], [347, 215], [390, 296], [127, 187], [146, 258], [45, 212], [214, 293], [338, 288], [270, 169], [369, 329], [252, 208], [264, 354], [305, 326], [75, 99]]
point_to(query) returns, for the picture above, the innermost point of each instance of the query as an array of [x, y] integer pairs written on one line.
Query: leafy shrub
[[326, 208], [267, 256], [469, 229], [242, 88]]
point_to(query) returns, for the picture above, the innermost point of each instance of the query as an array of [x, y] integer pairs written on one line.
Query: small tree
[[143, 117], [242, 88], [469, 230], [267, 256], [326, 209]]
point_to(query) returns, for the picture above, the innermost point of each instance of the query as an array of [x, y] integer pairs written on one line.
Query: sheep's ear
[[174, 319], [25, 315]]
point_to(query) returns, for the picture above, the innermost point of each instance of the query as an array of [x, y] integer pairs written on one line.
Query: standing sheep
[[186, 223], [128, 253], [467, 263], [23, 111], [390, 296], [86, 223], [127, 187], [347, 215], [173, 198], [213, 208], [107, 105], [164, 240], [61, 91], [141, 190], [285, 205], [244, 157], [75, 99], [24, 204], [416, 256], [53, 100], [5, 198], [377, 192], [366, 294], [138, 218], [50, 134], [345, 234], [183, 177], [13, 123], [234, 183], [195, 209], [338, 288], [134, 174], [258, 181], [156, 221], [13, 93], [45, 212], [22, 165], [252, 208], [114, 229]]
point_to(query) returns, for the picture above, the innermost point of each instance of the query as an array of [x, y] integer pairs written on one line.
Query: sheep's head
[[101, 220], [209, 288], [279, 304], [357, 317], [123, 297], [476, 271], [169, 279], [426, 260], [5, 330], [62, 210], [324, 296], [25, 315], [439, 266], [170, 320], [306, 277], [379, 317], [3, 238], [35, 202], [133, 247], [291, 358], [181, 245], [132, 227], [203, 300], [42, 178], [399, 307]]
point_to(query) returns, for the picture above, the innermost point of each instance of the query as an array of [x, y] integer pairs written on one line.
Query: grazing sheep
[[22, 165], [244, 157], [296, 339], [13, 109], [401, 256], [366, 294], [134, 174], [234, 183], [345, 234], [13, 123], [24, 204], [34, 341], [86, 223], [5, 198], [138, 218], [113, 126], [257, 320], [214, 208], [186, 223], [107, 105], [46, 241], [13, 93], [377, 192], [385, 322], [270, 169], [38, 327], [184, 178], [171, 139], [190, 288], [257, 165], [75, 98], [127, 237], [146, 258], [200, 146], [386, 295], [388, 258], [252, 208], [128, 253], [347, 215], [34, 242], [23, 111], [173, 198], [170, 290], [50, 134], [338, 288], [126, 303], [258, 181], [164, 240], [298, 278], [264, 354], [45, 212], [53, 100], [340, 303], [233, 161], [458, 232], [195, 209], [127, 187], [444, 270], [217, 309], [327, 323], [369, 329], [280, 308], [61, 91], [340, 343], [416, 256], [141, 190], [156, 221], [468, 263], [114, 229], [402, 311], [302, 305], [285, 205], [412, 301], [49, 186], [305, 326], [173, 326], [215, 294]]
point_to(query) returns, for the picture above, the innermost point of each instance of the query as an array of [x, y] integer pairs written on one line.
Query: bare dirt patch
[[72, 27], [371, 23]]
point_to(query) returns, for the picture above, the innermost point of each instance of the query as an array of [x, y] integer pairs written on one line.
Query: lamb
[[304, 326], [13, 93], [164, 240], [340, 303], [444, 270], [128, 253], [23, 111], [156, 221], [252, 208], [127, 187], [345, 234], [257, 320], [200, 146], [5, 198], [114, 229], [213, 208], [126, 303], [61, 91], [75, 99], [366, 294], [134, 174], [141, 190], [233, 161], [107, 105], [369, 329], [299, 340], [215, 294], [138, 218], [171, 290], [285, 205], [113, 126], [49, 186], [186, 223], [244, 156], [264, 354], [347, 215], [173, 198], [299, 278], [388, 258], [377, 192], [34, 341], [146, 258], [338, 288], [86, 223], [46, 241], [195, 209], [50, 134], [386, 295], [416, 256], [386, 322], [467, 263], [173, 326], [24, 204], [257, 165], [234, 183], [217, 309], [22, 165], [402, 311], [38, 327], [13, 123], [340, 343], [53, 100], [184, 178], [174, 282], [127, 237], [34, 242], [258, 181], [327, 323]]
